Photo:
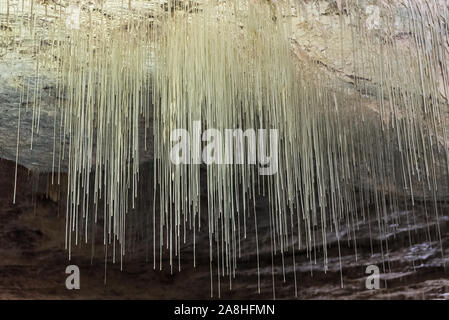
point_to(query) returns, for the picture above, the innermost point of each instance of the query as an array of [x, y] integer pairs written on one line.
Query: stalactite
[[232, 66]]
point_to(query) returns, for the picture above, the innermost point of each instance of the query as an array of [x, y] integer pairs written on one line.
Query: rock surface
[[34, 259]]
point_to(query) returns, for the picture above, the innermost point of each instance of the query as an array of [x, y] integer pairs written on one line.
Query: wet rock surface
[[34, 258]]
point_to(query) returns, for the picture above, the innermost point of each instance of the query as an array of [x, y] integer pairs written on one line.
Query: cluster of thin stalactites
[[232, 64]]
